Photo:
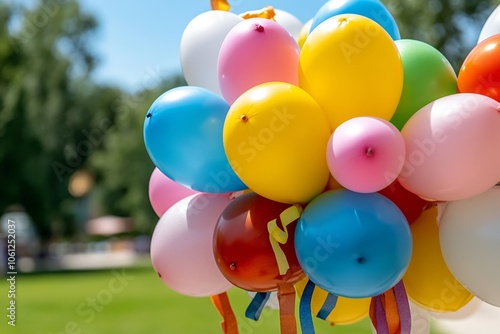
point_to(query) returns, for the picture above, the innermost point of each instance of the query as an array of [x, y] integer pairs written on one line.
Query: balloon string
[[279, 236], [286, 298], [306, 322], [220, 5], [229, 324], [264, 13], [257, 305]]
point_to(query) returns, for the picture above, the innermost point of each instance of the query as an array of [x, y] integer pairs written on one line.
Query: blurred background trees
[[43, 82], [451, 26], [55, 121]]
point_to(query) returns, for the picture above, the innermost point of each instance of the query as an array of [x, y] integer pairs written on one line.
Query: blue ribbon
[[328, 306], [257, 305], [306, 322]]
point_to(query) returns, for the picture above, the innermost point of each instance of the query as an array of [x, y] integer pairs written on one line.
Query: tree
[[451, 26], [45, 102], [53, 119]]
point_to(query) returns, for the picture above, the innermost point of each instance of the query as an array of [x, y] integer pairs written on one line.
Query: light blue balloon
[[372, 9], [183, 137], [353, 245]]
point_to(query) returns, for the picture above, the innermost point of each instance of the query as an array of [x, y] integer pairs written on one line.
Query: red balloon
[[410, 204], [480, 72], [242, 247]]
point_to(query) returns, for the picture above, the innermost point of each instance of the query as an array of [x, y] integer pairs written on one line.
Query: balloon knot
[[259, 28], [232, 266], [148, 115], [361, 260], [370, 152], [159, 275], [244, 118]]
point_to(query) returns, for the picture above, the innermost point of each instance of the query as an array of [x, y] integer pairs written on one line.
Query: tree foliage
[[451, 26], [45, 101]]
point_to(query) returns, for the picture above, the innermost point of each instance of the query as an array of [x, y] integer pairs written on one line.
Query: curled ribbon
[[220, 5], [279, 236], [264, 13]]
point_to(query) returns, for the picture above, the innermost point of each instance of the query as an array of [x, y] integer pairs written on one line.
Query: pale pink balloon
[[256, 51], [365, 154], [182, 246], [164, 192], [452, 148]]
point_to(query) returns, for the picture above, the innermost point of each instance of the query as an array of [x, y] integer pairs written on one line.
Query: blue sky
[[138, 41]]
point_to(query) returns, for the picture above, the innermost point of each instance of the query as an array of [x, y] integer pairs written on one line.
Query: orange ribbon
[[390, 312], [264, 13], [229, 323], [220, 5], [286, 298]]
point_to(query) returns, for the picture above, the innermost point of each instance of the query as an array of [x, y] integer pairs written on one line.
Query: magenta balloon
[[452, 148], [365, 154], [182, 246], [256, 51], [164, 192]]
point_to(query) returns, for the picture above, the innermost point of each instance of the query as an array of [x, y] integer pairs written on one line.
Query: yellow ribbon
[[220, 5], [279, 236]]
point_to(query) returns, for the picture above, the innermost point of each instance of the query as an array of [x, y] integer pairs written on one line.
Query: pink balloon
[[365, 154], [164, 192], [256, 51], [452, 148], [182, 246]]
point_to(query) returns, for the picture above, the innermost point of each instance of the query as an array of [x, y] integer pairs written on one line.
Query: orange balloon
[[480, 72]]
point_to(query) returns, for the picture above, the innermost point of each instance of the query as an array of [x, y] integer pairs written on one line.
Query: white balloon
[[469, 232], [200, 45], [491, 26], [420, 320], [485, 318], [465, 312], [289, 22]]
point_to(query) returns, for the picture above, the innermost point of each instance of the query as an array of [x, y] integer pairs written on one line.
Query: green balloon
[[428, 76]]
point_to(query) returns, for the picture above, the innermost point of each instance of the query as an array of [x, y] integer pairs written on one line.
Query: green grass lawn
[[138, 302]]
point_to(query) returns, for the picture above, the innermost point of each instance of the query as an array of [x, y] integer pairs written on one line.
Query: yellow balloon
[[428, 281], [352, 67], [275, 138], [304, 32], [333, 184], [347, 310]]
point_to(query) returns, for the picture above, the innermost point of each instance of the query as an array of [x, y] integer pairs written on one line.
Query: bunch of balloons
[[332, 156]]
